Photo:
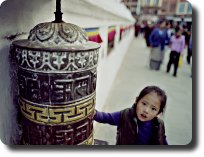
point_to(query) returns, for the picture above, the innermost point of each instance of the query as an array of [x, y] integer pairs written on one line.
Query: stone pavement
[[133, 75]]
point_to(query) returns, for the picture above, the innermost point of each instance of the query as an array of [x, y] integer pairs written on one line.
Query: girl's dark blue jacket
[[143, 132]]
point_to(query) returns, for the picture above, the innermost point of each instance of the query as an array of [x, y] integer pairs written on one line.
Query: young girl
[[139, 125]]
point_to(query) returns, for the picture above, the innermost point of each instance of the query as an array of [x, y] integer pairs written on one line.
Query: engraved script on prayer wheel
[[56, 70]]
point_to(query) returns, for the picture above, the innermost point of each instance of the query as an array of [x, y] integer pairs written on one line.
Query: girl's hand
[[94, 114]]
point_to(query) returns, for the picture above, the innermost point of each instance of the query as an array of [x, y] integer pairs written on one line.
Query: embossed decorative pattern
[[56, 88], [57, 34], [80, 133], [57, 115], [43, 61]]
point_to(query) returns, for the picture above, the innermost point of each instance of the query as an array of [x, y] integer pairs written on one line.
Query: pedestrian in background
[[177, 45], [186, 33], [139, 125], [158, 39], [137, 29], [189, 51], [170, 30], [147, 31]]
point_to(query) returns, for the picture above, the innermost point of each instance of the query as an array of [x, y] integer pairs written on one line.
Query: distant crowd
[[163, 33]]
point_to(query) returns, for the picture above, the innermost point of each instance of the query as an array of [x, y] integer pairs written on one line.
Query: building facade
[[160, 8], [133, 6]]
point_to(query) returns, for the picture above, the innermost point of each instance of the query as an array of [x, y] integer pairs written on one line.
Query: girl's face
[[179, 33], [148, 107]]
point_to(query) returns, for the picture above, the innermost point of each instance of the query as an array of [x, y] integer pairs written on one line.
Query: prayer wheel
[[56, 73]]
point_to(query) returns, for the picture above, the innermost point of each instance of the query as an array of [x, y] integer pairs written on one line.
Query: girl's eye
[[154, 109], [144, 103]]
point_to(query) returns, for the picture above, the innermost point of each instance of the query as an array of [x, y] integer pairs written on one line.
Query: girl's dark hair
[[158, 91], [177, 29]]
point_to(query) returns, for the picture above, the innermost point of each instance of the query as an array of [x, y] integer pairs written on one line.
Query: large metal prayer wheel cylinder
[[56, 72]]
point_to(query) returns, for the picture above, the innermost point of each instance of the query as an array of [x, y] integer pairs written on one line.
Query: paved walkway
[[134, 75]]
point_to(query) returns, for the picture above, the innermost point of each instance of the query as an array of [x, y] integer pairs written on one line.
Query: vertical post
[[58, 13]]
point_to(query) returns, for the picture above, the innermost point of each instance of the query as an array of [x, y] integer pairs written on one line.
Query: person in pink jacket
[[177, 45]]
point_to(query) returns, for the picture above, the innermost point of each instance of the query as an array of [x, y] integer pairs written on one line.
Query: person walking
[[137, 29], [186, 33], [189, 55], [177, 45], [147, 31], [158, 39]]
